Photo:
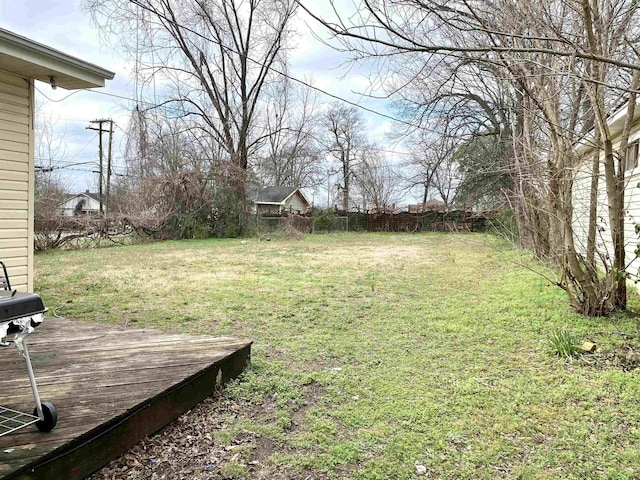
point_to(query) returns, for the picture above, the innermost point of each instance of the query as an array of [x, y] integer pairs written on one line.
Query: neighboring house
[[21, 61], [276, 200], [582, 188], [85, 203]]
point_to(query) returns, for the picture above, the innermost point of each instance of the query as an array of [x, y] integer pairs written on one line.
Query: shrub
[[503, 223], [288, 227], [323, 219]]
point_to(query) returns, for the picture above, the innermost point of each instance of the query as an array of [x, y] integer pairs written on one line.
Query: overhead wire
[[226, 47], [275, 70], [152, 105], [155, 105]]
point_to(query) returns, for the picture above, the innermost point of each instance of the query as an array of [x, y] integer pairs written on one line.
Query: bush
[[289, 228], [205, 209], [298, 222], [323, 219], [503, 223], [82, 231]]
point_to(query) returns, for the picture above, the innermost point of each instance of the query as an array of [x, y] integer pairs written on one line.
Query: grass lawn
[[373, 353]]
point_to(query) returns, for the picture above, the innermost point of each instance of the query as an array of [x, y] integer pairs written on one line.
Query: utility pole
[[108, 197], [100, 129]]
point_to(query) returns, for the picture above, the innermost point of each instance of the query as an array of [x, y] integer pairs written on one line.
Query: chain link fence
[[327, 221]]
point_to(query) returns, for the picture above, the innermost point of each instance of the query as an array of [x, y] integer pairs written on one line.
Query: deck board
[[111, 386]]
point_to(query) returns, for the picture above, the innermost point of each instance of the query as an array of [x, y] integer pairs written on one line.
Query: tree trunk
[[618, 283], [345, 196], [593, 208]]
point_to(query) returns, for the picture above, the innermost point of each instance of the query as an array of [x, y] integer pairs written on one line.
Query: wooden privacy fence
[[454, 221]]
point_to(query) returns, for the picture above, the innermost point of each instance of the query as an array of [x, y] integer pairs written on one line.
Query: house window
[[632, 156]]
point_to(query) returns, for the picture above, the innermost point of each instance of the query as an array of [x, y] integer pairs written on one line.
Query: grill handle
[[4, 281]]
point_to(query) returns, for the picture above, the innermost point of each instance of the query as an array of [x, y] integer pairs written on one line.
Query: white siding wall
[[296, 204], [16, 179], [88, 205], [581, 192]]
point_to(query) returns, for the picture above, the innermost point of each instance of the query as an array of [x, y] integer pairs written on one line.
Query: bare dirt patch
[[625, 357], [202, 444]]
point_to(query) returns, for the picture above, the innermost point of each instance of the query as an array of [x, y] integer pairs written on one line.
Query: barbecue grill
[[20, 314]]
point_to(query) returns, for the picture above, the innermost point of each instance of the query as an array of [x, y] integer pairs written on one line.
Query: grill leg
[[32, 380]]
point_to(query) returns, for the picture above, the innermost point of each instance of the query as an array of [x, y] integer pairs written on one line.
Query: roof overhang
[[618, 119], [26, 58], [616, 123], [297, 190]]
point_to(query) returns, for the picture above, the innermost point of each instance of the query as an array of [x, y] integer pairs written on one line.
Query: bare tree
[[556, 87], [50, 152], [345, 143], [447, 180], [217, 55], [377, 181], [608, 31], [291, 154], [432, 167]]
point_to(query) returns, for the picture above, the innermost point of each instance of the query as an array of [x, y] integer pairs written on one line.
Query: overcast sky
[[63, 25]]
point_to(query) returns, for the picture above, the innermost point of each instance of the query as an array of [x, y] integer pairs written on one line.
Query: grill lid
[[15, 305]]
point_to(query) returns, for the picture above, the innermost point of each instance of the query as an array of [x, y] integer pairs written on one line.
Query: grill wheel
[[50, 417]]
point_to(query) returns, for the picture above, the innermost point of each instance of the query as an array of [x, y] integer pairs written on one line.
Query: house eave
[[26, 58], [297, 190], [615, 123]]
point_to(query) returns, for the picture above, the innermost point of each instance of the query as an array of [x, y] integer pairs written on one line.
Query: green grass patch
[[376, 351]]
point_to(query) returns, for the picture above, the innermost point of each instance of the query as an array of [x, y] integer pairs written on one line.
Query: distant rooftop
[[269, 194]]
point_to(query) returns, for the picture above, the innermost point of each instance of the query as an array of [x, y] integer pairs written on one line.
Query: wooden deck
[[111, 386]]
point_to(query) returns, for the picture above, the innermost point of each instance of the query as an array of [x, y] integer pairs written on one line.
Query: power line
[[99, 92], [82, 149], [59, 99], [62, 165], [176, 110], [152, 105], [279, 72], [83, 170], [284, 74]]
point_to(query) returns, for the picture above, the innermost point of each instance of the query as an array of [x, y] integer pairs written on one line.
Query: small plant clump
[[289, 230], [564, 344]]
